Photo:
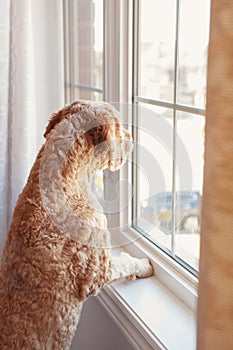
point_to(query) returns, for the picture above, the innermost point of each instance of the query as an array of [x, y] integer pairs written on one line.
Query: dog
[[57, 251]]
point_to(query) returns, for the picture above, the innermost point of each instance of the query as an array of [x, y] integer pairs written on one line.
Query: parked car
[[157, 209]]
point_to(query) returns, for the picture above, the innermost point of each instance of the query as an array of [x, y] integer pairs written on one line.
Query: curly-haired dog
[[57, 251]]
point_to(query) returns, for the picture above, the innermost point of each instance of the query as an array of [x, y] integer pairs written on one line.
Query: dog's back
[[45, 276]]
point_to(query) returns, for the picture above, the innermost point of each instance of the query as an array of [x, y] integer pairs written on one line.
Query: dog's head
[[102, 135]]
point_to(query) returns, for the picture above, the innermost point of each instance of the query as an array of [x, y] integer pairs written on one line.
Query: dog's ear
[[99, 134], [56, 118]]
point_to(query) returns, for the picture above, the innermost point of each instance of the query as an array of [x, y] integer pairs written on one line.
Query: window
[[149, 56], [84, 57], [83, 42], [156, 51], [170, 59]]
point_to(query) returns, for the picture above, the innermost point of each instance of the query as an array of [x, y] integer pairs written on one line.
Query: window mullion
[[136, 48], [112, 94], [111, 50], [174, 172], [135, 84], [68, 48]]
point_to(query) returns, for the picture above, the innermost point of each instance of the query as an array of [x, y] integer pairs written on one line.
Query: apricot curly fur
[[45, 274]]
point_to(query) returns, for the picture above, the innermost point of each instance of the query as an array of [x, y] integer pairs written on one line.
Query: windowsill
[[159, 318], [149, 313]]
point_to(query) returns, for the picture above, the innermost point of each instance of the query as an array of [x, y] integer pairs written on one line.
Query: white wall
[[96, 330]]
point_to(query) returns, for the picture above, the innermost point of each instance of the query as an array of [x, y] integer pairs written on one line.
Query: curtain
[[215, 306], [17, 104], [31, 88]]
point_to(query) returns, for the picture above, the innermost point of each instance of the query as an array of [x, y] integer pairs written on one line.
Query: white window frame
[[178, 282], [174, 106], [175, 278], [118, 61]]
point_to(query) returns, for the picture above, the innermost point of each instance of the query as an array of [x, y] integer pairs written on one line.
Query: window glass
[[190, 132], [84, 58], [83, 44], [87, 94], [170, 55], [156, 49], [154, 164], [88, 42], [193, 50]]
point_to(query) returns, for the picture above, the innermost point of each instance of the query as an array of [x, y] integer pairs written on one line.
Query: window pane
[[190, 132], [154, 173], [193, 49], [87, 42], [169, 171], [86, 94], [98, 185], [156, 50]]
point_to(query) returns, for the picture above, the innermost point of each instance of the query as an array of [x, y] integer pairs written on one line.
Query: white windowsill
[[149, 315], [148, 312]]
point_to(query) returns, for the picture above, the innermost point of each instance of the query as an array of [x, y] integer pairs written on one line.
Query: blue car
[[157, 209]]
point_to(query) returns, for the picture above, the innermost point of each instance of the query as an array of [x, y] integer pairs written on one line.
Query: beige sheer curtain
[[31, 88], [17, 104], [215, 308]]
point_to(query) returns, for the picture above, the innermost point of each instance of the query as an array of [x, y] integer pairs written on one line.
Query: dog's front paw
[[145, 269]]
